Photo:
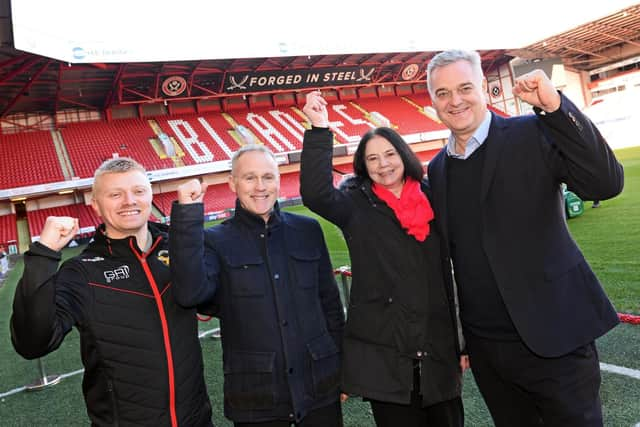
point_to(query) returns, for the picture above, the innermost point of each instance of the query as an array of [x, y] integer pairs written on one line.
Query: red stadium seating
[[290, 185], [218, 198], [345, 112], [274, 134], [201, 124], [85, 214], [406, 117], [28, 158], [163, 201], [91, 143], [8, 230], [204, 137], [426, 156]]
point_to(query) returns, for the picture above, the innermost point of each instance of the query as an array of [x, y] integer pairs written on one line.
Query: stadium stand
[[344, 169], [218, 198], [404, 115], [203, 137], [290, 185], [91, 143], [353, 121], [8, 230], [210, 129], [87, 217], [163, 201], [28, 158], [426, 156], [279, 129]]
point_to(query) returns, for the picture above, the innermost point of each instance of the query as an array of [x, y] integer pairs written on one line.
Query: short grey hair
[[116, 165], [451, 56], [248, 148]]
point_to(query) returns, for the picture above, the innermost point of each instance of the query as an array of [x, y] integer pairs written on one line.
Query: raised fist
[[191, 191], [316, 109], [58, 231], [536, 88]]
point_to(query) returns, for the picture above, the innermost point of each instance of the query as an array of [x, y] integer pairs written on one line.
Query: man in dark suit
[[530, 305]]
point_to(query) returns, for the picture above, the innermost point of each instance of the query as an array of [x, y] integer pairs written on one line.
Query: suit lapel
[[494, 143], [438, 183]]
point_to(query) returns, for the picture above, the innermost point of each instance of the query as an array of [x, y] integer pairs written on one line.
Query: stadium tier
[[8, 230], [344, 169], [87, 217], [28, 158], [426, 156], [203, 137], [166, 142], [290, 185], [91, 143], [404, 114], [280, 129]]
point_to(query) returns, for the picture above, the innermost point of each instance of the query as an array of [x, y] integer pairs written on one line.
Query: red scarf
[[412, 209]]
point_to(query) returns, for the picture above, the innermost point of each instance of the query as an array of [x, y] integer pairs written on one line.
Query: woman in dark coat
[[400, 349]]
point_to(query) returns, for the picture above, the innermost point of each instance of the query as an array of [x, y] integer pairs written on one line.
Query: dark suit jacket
[[551, 293]]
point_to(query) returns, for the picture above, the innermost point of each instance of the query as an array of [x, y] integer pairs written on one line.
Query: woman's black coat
[[402, 308]]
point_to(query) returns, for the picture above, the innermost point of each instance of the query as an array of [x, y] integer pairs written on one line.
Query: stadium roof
[[30, 83], [34, 83], [608, 40]]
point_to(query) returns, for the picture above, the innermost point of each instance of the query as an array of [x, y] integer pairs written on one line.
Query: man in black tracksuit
[[140, 350]]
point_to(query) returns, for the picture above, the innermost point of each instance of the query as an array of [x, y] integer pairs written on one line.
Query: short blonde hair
[[116, 165]]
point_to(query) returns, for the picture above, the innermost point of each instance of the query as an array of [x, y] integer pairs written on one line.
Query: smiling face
[[384, 164], [123, 201], [256, 181], [458, 96]]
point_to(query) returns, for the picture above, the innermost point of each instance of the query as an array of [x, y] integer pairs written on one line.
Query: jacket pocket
[[249, 380], [305, 268], [247, 275], [325, 365]]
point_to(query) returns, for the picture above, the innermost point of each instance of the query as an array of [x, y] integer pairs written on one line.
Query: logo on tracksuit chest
[[119, 273]]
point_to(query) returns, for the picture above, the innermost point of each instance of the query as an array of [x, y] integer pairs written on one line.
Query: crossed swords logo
[[235, 84], [364, 76]]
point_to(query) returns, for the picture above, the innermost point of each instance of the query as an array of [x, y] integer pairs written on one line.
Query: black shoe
[[595, 204]]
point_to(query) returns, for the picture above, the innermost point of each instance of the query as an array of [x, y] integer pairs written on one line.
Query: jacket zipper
[[165, 331], [112, 395]]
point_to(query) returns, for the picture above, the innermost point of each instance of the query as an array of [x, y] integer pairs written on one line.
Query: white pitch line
[[633, 373], [79, 371], [209, 332], [23, 388]]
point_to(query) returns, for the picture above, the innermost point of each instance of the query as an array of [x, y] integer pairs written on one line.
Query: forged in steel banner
[[257, 81]]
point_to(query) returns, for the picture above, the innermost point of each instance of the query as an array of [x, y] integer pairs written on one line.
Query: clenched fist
[[316, 109], [58, 231], [536, 88], [191, 191]]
